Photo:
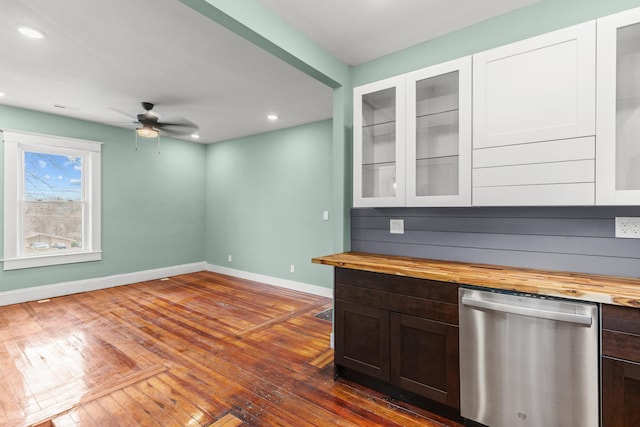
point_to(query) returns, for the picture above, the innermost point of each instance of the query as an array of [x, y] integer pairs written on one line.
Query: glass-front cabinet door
[[378, 141], [438, 135], [618, 109]]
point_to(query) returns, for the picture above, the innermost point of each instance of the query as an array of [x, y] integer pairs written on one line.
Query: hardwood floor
[[193, 350]]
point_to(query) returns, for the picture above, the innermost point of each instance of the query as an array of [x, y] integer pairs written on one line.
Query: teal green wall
[[144, 193], [541, 17], [265, 197], [153, 208]]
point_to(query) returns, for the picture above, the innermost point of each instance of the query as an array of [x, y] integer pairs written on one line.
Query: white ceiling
[[357, 31], [99, 59]]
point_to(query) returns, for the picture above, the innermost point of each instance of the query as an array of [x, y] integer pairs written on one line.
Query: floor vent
[[325, 315]]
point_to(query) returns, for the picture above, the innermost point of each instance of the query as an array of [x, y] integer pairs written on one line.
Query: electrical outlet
[[628, 227], [229, 258], [292, 269]]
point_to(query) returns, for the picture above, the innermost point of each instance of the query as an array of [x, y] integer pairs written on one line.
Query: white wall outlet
[[325, 215], [292, 269], [628, 227], [396, 226], [229, 258]]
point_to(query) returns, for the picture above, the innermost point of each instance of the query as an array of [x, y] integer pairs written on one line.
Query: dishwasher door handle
[[581, 319]]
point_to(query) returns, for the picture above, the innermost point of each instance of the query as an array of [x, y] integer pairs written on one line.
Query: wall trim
[[67, 288], [275, 281]]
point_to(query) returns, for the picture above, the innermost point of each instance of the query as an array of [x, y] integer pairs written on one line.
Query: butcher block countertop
[[587, 287]]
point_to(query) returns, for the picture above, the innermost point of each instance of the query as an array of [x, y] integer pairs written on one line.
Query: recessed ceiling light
[[195, 136], [2, 94], [272, 117], [30, 32]]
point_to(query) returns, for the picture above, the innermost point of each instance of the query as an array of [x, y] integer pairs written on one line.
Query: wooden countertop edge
[[615, 290]]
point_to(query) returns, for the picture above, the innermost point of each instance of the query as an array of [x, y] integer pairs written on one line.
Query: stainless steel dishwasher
[[528, 361]]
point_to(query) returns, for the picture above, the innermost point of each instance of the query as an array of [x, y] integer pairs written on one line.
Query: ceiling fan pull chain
[[136, 140], [158, 143]]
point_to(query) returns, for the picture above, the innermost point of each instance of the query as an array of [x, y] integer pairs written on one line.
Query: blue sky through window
[[52, 177]]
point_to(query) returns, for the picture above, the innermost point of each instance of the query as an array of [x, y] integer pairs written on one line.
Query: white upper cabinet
[[378, 143], [412, 138], [618, 149], [438, 135], [539, 89], [534, 121]]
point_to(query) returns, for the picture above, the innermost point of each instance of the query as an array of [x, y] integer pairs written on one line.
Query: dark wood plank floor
[[194, 350]]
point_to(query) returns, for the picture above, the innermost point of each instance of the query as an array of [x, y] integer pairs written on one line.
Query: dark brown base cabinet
[[401, 331], [620, 366]]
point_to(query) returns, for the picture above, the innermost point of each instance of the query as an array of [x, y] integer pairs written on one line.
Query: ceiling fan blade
[[176, 131], [177, 127]]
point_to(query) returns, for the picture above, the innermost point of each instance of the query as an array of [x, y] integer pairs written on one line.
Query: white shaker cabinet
[[534, 120], [412, 138], [618, 112], [438, 135], [378, 143]]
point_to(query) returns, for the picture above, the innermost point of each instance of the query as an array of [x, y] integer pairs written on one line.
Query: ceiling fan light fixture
[[147, 132]]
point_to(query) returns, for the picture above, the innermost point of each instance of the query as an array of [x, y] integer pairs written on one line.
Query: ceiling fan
[[151, 124]]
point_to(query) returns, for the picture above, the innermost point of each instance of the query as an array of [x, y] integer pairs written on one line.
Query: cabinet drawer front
[[580, 171], [537, 152], [622, 319], [531, 195], [621, 332], [428, 309], [621, 345], [421, 288]]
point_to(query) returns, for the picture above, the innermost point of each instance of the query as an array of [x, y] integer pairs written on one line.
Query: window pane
[[52, 177], [53, 205]]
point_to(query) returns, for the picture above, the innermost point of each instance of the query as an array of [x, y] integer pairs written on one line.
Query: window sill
[[53, 259]]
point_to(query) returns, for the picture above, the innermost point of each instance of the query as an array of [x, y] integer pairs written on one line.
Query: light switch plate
[[396, 226]]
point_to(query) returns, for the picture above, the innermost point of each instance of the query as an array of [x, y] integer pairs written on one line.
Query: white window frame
[[15, 145]]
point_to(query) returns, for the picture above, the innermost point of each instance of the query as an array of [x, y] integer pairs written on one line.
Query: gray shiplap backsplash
[[579, 239]]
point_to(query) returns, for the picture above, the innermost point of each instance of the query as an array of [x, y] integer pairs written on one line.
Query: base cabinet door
[[362, 339], [424, 358], [620, 393]]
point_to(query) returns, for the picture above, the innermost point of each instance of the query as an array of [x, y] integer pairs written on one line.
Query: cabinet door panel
[[538, 89], [618, 109], [378, 143], [362, 339], [438, 135], [620, 393], [424, 358]]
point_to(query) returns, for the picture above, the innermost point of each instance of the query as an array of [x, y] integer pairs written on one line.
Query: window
[[51, 200]]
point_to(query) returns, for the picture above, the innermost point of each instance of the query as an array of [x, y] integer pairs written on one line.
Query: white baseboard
[[68, 288], [275, 281]]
